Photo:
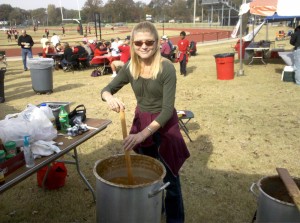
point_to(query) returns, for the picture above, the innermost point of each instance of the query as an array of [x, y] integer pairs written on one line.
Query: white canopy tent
[[268, 8]]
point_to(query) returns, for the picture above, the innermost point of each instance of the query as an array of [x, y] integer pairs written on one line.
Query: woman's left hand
[[132, 140]]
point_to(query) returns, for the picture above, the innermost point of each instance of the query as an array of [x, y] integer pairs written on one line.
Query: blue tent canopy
[[277, 18]]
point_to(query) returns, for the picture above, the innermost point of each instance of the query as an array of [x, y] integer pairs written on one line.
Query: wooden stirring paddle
[[127, 152], [290, 185]]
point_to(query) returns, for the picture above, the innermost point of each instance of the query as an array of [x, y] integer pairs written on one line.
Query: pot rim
[[160, 178], [272, 198]]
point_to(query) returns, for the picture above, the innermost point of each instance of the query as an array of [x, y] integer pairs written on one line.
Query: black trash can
[[41, 71], [2, 74]]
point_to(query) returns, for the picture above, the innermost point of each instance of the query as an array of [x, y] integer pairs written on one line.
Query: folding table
[[69, 144]]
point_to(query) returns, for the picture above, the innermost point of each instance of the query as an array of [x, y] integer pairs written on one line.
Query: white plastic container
[[48, 112]]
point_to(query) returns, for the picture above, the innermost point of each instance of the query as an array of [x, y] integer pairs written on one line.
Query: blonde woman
[[155, 131]]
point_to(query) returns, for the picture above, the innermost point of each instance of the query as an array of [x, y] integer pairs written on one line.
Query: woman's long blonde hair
[[135, 62]]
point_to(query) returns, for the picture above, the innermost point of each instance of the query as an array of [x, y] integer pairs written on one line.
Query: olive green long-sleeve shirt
[[152, 96]]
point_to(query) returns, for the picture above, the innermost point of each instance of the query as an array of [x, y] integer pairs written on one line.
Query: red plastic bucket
[[225, 66], [56, 176]]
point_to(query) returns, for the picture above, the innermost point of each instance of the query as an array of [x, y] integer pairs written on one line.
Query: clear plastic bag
[[32, 122]]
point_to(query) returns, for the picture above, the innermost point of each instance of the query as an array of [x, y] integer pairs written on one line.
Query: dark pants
[[173, 200], [183, 65]]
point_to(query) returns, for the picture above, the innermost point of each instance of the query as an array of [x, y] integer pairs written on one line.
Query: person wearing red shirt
[[99, 50], [165, 49], [48, 49], [183, 49], [124, 57]]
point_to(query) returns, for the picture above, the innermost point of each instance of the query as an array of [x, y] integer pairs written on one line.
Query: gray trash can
[[2, 74], [41, 71]]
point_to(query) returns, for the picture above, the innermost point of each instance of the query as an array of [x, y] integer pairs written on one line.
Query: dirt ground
[[243, 129]]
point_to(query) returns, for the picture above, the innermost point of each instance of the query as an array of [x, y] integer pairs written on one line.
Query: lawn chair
[[73, 64], [100, 64], [280, 35], [3, 58], [184, 116], [83, 61]]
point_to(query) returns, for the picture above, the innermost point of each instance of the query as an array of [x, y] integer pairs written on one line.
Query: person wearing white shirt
[[115, 48], [44, 40], [55, 39]]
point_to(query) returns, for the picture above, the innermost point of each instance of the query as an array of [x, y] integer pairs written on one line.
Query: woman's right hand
[[113, 103]]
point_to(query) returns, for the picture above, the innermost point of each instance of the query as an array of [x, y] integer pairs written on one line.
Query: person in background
[[165, 49], [115, 47], [85, 38], [124, 50], [80, 50], [47, 33], [183, 49], [155, 131], [8, 32], [99, 50], [295, 41], [87, 48], [26, 43], [55, 39], [16, 35], [68, 52], [59, 48], [43, 41], [92, 44], [48, 49], [63, 30]]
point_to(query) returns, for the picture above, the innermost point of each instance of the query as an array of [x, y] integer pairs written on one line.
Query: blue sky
[[33, 4]]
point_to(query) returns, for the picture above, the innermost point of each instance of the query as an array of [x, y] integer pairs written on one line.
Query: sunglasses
[[147, 42]]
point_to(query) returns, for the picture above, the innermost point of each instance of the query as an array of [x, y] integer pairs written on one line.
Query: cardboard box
[[12, 164]]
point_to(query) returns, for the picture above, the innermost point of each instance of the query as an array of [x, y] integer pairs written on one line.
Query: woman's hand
[[132, 140], [114, 103]]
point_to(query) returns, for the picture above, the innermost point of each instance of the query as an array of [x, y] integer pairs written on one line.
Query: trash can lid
[[40, 63], [223, 55]]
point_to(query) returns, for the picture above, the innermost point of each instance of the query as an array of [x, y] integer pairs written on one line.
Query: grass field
[[243, 129]]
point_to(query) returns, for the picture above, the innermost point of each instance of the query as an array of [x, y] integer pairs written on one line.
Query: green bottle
[[63, 119]]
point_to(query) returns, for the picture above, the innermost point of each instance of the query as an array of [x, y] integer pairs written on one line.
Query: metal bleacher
[[226, 10]]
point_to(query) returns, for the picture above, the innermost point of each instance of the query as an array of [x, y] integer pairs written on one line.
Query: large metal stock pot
[[273, 201], [129, 203]]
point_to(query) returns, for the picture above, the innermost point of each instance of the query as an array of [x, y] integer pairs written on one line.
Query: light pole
[[194, 12], [47, 16], [163, 26]]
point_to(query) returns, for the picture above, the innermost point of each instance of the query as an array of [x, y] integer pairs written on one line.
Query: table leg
[[76, 162], [45, 177], [81, 174]]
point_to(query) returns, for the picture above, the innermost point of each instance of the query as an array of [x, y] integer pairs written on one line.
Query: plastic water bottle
[[49, 113], [29, 160], [63, 119]]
